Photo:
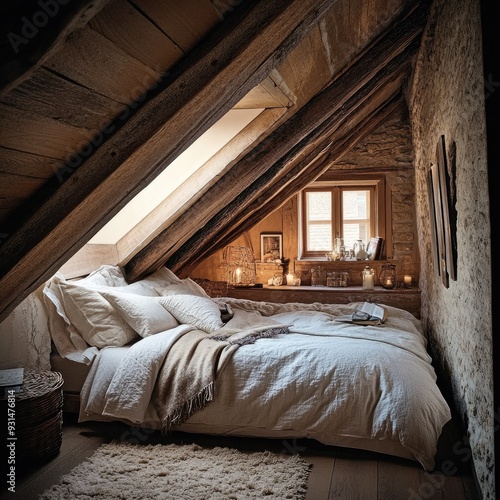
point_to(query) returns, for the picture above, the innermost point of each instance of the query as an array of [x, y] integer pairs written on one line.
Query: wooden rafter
[[232, 194], [203, 87], [271, 195], [32, 32], [345, 138]]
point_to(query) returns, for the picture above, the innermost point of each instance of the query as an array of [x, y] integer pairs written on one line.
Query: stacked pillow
[[103, 310], [145, 315]]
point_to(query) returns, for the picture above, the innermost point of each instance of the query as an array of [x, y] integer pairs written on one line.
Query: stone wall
[[389, 151], [447, 97]]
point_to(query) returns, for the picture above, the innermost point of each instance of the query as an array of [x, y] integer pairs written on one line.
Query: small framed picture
[[374, 248], [271, 246]]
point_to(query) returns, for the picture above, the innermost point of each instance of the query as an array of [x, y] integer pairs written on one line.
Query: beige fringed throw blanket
[[187, 378]]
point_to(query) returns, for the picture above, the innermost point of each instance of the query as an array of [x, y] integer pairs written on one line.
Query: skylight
[[178, 172]]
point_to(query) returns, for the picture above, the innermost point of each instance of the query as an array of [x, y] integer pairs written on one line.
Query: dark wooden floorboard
[[336, 473], [397, 480], [320, 477]]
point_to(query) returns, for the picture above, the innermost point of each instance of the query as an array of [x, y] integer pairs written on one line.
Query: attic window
[[350, 210]]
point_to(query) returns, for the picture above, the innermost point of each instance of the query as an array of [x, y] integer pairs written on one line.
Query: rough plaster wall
[[24, 336], [446, 97]]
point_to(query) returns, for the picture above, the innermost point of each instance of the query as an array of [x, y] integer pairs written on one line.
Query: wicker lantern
[[238, 264]]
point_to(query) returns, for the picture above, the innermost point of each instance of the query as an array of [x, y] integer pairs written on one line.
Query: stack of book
[[11, 382]]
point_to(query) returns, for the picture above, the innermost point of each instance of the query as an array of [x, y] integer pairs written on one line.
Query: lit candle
[[289, 279], [238, 275], [407, 281]]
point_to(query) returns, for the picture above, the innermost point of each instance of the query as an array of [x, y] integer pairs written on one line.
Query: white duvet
[[369, 387]]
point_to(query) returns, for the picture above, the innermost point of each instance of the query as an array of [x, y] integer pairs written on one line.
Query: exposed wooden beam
[[279, 148], [269, 195], [33, 32], [345, 139], [234, 58]]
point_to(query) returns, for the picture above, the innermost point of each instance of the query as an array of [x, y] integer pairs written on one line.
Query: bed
[[162, 354]]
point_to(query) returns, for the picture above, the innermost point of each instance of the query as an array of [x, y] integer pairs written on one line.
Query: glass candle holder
[[407, 281], [387, 276], [368, 278]]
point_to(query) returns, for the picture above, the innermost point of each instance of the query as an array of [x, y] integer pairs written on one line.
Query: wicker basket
[[38, 416]]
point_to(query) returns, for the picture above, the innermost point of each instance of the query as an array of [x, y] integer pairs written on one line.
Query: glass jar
[[339, 242], [330, 279], [277, 279], [387, 276], [359, 250], [317, 277], [344, 278], [368, 278]]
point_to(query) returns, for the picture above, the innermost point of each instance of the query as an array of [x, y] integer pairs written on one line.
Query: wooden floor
[[335, 472]]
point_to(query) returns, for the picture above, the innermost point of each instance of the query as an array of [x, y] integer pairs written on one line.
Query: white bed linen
[[331, 381]]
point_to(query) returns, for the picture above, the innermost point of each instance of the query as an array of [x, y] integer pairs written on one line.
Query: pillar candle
[[289, 279], [368, 281]]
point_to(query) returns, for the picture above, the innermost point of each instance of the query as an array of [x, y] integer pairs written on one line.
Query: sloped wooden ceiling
[[97, 98]]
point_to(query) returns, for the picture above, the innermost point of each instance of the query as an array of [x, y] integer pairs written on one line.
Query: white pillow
[[180, 289], [161, 277], [200, 312], [94, 317], [104, 276], [144, 314], [197, 289], [140, 287], [148, 286]]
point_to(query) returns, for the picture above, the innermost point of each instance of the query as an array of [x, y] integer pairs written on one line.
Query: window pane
[[355, 204], [353, 232], [356, 216], [319, 221], [319, 206], [319, 237]]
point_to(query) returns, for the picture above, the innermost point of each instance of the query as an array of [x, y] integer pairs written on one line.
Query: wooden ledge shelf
[[404, 298]]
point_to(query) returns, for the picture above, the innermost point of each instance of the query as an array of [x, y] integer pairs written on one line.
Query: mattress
[[73, 373]]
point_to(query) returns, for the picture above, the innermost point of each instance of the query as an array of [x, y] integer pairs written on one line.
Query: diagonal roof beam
[[234, 58], [343, 140], [280, 147], [268, 195]]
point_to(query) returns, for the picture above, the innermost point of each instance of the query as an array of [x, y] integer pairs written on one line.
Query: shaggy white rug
[[126, 471]]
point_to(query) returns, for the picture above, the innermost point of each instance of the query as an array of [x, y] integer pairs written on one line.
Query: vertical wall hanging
[[443, 219]]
